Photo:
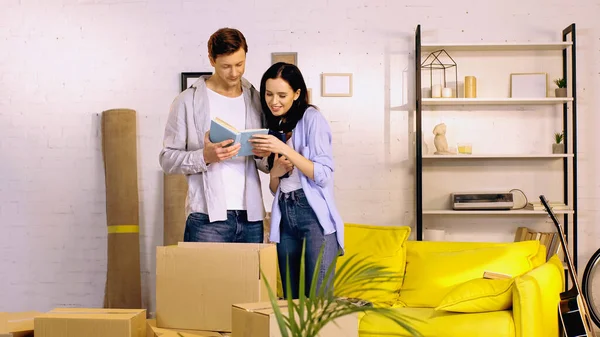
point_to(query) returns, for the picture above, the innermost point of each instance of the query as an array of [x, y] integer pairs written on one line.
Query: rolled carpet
[[175, 192], [119, 149]]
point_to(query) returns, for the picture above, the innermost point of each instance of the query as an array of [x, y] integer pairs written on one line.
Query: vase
[[560, 92], [558, 148]]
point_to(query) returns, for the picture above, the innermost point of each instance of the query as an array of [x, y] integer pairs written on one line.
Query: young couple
[[224, 201]]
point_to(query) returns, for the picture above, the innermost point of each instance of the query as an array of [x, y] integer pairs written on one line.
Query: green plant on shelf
[[558, 137], [560, 82]]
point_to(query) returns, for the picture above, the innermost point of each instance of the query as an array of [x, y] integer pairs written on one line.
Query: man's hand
[[216, 152]]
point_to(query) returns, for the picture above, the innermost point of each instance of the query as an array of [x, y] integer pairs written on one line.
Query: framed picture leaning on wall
[[188, 78]]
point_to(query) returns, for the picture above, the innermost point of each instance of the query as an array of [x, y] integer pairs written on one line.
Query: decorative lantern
[[439, 61]]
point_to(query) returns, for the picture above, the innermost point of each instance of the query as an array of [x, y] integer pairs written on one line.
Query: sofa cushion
[[479, 295], [430, 276], [382, 244], [536, 296], [429, 323]]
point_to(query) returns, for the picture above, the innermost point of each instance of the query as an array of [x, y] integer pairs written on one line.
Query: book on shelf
[[221, 130], [537, 206], [550, 240]]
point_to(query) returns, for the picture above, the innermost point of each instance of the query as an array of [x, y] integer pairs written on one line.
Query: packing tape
[[20, 320], [123, 229], [98, 312]]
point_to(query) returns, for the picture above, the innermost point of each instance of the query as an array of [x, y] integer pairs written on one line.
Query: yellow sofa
[[443, 292]]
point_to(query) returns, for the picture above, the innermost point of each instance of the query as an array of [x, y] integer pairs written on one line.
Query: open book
[[221, 130]]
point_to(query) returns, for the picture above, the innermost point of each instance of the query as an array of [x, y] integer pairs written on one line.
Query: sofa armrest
[[535, 312]]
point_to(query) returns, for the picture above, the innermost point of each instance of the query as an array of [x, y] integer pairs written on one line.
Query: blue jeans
[[236, 228], [298, 223]]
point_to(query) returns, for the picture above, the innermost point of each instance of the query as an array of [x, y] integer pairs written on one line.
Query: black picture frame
[[188, 78]]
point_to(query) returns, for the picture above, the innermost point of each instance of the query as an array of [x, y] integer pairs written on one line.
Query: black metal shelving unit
[[570, 75], [570, 31]]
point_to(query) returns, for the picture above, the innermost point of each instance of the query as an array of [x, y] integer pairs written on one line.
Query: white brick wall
[[63, 62]]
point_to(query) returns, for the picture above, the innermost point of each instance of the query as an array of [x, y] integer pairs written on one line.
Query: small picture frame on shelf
[[188, 78], [336, 85], [291, 58], [529, 85]]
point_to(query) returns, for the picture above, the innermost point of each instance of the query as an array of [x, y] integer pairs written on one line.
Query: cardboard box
[[258, 320], [17, 324], [78, 322], [3, 325], [197, 283], [153, 331]]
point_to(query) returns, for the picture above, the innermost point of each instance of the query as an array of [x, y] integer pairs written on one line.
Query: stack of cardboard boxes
[[198, 283], [202, 289]]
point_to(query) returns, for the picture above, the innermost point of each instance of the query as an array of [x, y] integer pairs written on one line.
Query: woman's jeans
[[299, 222], [236, 228]]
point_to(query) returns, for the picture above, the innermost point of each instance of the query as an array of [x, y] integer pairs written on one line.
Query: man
[[224, 201]]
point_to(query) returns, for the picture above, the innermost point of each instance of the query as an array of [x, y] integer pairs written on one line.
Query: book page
[[225, 124]]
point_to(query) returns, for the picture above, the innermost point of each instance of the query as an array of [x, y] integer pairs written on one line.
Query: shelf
[[523, 46], [496, 156], [496, 101], [491, 212]]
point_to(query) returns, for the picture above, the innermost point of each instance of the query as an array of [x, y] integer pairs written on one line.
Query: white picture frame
[[336, 85], [529, 85]]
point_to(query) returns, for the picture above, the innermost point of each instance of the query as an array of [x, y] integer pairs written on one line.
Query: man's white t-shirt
[[233, 111]]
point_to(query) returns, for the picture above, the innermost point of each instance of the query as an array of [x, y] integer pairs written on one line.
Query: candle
[[447, 92], [436, 91], [470, 87]]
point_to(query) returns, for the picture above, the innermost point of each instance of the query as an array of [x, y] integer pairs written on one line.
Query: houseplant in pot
[[558, 147], [313, 310], [561, 91]]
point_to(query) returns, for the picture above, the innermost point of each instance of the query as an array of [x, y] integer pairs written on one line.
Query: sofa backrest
[[389, 247], [435, 268], [384, 245], [454, 246]]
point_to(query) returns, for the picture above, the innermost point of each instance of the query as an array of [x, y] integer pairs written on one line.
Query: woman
[[304, 207]]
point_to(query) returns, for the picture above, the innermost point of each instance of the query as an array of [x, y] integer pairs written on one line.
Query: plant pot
[[558, 148], [560, 92]]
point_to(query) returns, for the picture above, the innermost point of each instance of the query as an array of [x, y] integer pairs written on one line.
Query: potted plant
[[561, 91], [558, 146], [307, 315]]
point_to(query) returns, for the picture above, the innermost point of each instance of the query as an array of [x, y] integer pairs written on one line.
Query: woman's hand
[[262, 154], [281, 166], [268, 143]]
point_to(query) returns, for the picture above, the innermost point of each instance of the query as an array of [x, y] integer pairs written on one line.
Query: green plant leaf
[[293, 325], [558, 137], [309, 314], [281, 322]]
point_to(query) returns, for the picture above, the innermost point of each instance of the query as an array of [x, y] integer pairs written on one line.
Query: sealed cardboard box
[[78, 322], [17, 324], [258, 320], [197, 283], [153, 331]]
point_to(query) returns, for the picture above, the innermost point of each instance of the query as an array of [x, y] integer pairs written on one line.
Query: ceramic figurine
[[440, 142]]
